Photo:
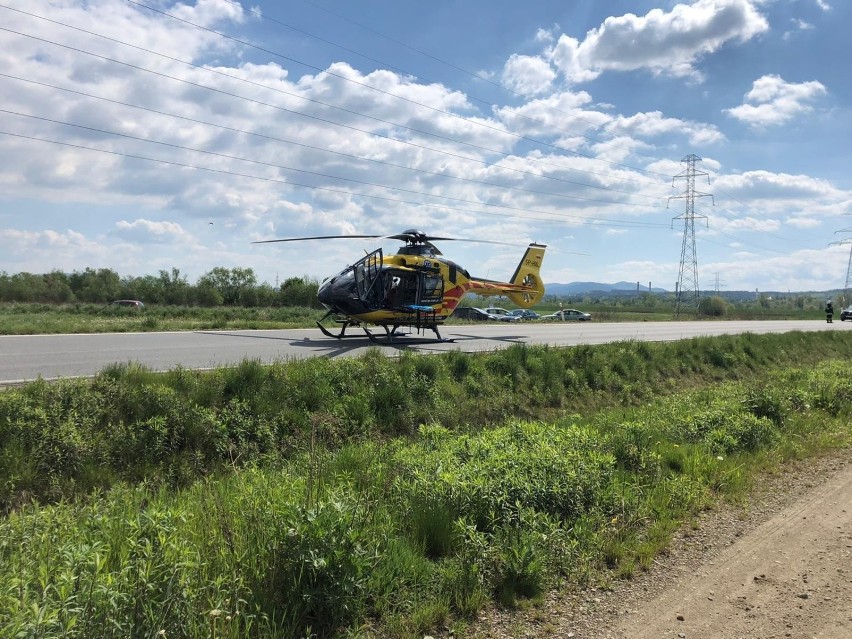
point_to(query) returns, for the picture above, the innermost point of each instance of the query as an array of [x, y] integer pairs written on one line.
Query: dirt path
[[780, 568], [789, 577]]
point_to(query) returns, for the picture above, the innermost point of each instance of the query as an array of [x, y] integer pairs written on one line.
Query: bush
[[713, 306]]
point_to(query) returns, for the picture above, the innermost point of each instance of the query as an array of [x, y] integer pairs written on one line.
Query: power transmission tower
[[688, 294], [847, 289], [719, 283]]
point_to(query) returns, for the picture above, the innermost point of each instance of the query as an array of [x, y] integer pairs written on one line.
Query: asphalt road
[[27, 357]]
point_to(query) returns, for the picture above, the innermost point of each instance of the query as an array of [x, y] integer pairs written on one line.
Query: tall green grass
[[60, 440], [250, 502]]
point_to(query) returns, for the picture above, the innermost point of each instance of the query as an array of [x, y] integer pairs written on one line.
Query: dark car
[[524, 314], [846, 314], [501, 314], [473, 314]]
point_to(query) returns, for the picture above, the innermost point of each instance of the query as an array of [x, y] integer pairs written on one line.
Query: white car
[[568, 315], [501, 314]]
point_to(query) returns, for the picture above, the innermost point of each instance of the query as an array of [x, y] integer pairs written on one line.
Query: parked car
[[525, 314], [846, 314], [473, 314], [568, 315], [129, 303], [501, 314]]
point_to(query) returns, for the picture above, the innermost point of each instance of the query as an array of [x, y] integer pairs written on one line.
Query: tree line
[[218, 287]]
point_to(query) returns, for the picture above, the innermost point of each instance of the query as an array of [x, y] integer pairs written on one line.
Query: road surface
[[27, 357]]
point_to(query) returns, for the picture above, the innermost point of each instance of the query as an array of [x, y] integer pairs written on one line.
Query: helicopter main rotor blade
[[412, 236], [319, 237]]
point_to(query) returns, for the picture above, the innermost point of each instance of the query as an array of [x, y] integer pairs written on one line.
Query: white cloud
[[653, 124], [527, 75], [772, 101], [31, 251], [545, 35], [747, 223], [802, 270], [759, 185], [800, 26], [147, 231], [661, 42], [803, 222]]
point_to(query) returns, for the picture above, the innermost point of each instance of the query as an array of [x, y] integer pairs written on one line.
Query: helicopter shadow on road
[[512, 339], [352, 343], [331, 348], [337, 348]]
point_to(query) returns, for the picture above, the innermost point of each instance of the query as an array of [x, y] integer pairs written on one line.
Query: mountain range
[[578, 288]]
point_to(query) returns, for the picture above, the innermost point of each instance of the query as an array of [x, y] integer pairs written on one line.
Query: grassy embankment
[[33, 319], [352, 497]]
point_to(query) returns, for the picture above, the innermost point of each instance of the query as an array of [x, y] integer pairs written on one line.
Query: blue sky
[[146, 135]]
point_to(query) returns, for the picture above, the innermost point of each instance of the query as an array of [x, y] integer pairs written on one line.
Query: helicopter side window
[[432, 289]]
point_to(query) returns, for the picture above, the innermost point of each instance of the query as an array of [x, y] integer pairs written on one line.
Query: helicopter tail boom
[[525, 288]]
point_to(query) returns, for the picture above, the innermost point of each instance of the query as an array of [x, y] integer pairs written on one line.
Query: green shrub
[[713, 306]]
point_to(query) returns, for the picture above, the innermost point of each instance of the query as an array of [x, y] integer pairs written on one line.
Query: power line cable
[[388, 93], [298, 170], [330, 151], [563, 217], [384, 64], [295, 95]]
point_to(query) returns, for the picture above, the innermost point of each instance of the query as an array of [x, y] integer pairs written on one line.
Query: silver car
[[568, 315]]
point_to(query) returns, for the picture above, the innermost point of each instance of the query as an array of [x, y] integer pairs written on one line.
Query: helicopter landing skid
[[344, 324], [390, 330], [390, 334]]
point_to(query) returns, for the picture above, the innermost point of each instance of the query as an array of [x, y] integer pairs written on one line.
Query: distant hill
[[579, 288]]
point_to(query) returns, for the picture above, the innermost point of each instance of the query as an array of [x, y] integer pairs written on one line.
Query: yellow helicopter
[[415, 288]]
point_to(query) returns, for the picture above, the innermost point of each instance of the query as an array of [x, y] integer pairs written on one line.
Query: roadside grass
[[39, 319], [272, 502], [42, 319]]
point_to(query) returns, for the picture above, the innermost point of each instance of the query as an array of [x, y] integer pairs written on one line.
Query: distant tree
[[175, 288], [146, 288], [232, 284], [299, 291], [267, 295], [56, 288], [101, 285], [205, 295]]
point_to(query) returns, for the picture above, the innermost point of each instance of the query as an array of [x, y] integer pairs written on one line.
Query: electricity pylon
[[688, 293], [847, 289]]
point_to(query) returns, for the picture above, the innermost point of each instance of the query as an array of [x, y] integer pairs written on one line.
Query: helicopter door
[[368, 278]]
